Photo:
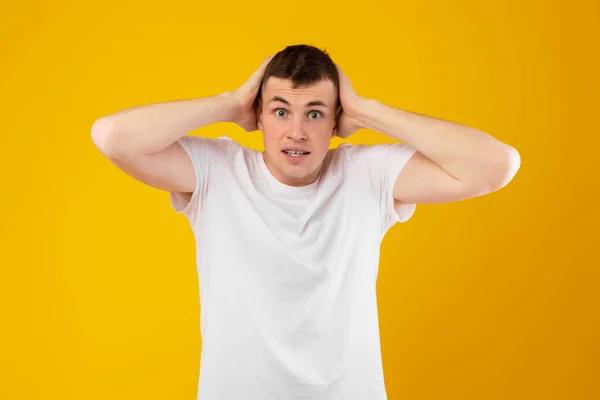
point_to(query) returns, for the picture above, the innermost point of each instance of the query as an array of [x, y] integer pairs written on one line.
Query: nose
[[297, 129]]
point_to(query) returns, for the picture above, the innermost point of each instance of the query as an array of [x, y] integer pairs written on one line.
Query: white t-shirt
[[288, 274]]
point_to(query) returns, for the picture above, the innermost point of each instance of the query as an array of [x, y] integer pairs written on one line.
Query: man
[[288, 239]]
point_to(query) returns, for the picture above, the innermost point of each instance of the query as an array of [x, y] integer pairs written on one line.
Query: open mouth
[[296, 153]]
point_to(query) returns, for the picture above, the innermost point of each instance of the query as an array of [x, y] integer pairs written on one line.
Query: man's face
[[297, 119]]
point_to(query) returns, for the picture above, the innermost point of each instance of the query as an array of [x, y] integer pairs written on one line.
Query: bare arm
[[142, 140], [453, 161], [148, 129]]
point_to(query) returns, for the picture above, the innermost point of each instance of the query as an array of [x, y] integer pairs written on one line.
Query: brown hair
[[304, 65]]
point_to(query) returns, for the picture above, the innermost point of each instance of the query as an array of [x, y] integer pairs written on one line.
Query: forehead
[[323, 90]]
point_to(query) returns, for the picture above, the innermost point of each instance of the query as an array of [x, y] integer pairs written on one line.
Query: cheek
[[272, 140], [324, 134], [271, 127]]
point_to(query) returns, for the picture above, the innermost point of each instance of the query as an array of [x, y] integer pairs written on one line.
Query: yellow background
[[489, 298]]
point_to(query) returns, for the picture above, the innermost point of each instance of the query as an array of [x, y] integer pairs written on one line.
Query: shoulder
[[210, 150], [362, 153], [223, 144], [348, 159]]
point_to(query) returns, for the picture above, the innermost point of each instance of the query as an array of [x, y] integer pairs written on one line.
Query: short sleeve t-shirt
[[287, 275]]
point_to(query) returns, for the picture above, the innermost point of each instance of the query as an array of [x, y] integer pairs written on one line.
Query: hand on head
[[245, 97], [351, 104]]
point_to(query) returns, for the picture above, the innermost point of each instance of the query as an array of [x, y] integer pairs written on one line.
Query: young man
[[288, 239]]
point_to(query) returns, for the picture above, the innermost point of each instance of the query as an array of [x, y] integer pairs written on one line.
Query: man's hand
[[351, 104], [244, 96]]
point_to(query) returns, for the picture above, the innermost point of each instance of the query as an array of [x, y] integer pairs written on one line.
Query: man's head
[[297, 107]]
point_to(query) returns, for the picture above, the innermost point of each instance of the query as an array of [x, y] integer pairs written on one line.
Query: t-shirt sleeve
[[198, 151], [383, 164]]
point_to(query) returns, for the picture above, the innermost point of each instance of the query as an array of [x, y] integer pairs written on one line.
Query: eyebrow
[[309, 104]]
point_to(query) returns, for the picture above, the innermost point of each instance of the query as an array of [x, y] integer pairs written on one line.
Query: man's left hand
[[351, 104]]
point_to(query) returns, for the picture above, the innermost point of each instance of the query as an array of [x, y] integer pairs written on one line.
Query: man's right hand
[[244, 97]]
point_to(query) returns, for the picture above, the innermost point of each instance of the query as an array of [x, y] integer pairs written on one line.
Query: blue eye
[[280, 112]]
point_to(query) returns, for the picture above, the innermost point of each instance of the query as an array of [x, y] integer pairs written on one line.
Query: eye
[[279, 111], [317, 113]]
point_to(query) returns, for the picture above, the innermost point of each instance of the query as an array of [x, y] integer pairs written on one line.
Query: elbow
[[101, 129], [511, 162], [504, 168], [500, 170], [103, 136]]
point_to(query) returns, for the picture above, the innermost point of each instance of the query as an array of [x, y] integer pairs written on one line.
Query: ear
[[258, 113], [336, 125]]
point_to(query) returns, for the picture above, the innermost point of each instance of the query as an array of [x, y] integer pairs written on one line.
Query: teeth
[[295, 153]]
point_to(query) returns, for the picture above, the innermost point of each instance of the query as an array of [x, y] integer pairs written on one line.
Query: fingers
[[254, 80], [260, 71], [343, 77], [266, 61]]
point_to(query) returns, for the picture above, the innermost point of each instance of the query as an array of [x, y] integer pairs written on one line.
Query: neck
[[292, 181]]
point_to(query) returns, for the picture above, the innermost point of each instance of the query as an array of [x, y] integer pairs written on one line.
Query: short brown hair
[[304, 65]]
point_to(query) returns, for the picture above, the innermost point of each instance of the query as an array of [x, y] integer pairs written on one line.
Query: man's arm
[[143, 141], [452, 161], [150, 128]]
